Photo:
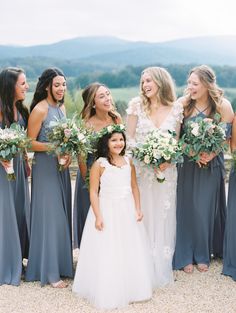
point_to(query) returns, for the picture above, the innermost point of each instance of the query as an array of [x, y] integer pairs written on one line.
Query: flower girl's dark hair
[[102, 145]]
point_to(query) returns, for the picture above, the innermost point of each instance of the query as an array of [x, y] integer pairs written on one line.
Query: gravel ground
[[195, 293]]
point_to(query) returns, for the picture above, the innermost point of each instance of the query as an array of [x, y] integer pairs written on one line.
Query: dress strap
[[199, 111]]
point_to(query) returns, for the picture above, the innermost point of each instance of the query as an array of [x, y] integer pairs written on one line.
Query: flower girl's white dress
[[114, 266]]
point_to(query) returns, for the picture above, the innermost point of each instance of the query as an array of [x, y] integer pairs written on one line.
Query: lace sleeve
[[178, 112], [133, 113], [134, 106]]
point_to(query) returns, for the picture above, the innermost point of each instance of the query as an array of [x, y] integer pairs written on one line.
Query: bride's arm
[[131, 125], [131, 122]]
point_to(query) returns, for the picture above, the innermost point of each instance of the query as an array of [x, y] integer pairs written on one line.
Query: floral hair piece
[[119, 128]]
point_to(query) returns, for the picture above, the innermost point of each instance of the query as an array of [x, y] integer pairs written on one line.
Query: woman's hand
[[99, 224], [139, 215], [164, 166], [5, 164], [205, 158], [65, 160]]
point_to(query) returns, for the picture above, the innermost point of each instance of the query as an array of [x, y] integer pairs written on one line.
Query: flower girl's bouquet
[[204, 135], [159, 147], [13, 140], [68, 137]]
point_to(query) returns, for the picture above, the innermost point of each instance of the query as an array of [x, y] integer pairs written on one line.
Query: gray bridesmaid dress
[[50, 251], [14, 221], [81, 205], [229, 260], [201, 211]]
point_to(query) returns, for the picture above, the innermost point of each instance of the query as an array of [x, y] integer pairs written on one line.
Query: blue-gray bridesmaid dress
[[14, 220], [229, 259], [81, 205], [50, 251], [201, 210]]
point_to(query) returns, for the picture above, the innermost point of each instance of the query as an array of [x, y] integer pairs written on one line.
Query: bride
[[156, 109]]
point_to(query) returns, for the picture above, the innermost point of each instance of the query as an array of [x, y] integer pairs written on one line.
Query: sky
[[33, 22]]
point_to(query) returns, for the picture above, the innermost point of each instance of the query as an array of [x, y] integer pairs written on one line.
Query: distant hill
[[114, 52]]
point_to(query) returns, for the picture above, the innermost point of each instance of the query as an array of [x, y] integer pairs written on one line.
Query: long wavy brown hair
[[88, 96], [166, 87], [215, 95], [8, 80]]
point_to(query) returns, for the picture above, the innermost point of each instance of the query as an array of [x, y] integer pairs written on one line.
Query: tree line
[[130, 76], [80, 73]]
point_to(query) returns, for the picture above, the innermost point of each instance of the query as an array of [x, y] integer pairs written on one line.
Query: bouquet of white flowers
[[204, 135], [68, 137], [13, 140], [159, 147]]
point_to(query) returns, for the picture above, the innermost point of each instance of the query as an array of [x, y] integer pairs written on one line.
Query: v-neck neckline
[[163, 121]]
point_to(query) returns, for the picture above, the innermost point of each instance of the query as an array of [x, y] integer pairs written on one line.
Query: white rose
[[156, 154], [147, 159], [195, 131], [80, 137], [109, 129]]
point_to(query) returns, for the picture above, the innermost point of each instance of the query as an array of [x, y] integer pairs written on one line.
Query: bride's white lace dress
[[158, 200]]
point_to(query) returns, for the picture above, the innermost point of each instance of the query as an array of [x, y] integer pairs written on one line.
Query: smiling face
[[58, 88], [149, 87], [196, 88], [116, 144], [21, 87], [103, 100]]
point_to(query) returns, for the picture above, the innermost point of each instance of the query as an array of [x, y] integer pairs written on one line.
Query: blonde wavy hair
[[166, 87], [207, 77], [88, 96]]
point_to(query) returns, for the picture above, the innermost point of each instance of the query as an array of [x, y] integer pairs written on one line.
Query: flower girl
[[114, 266]]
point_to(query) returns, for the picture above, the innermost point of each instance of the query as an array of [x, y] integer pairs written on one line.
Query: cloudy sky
[[30, 22]]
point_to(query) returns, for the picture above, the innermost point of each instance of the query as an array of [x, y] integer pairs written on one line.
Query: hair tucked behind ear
[[8, 79], [45, 81]]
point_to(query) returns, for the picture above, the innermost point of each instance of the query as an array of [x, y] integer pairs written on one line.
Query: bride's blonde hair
[[166, 87], [215, 95]]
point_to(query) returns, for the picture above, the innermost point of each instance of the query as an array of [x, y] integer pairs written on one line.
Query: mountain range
[[115, 52]]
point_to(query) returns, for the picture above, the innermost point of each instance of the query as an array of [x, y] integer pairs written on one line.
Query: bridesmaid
[[50, 251], [14, 195], [201, 204], [229, 260], [98, 112]]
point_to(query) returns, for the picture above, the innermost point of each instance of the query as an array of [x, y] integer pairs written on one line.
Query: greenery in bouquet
[[13, 140], [159, 147], [68, 137], [204, 135]]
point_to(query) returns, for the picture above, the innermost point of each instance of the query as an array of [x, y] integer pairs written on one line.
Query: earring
[[94, 106]]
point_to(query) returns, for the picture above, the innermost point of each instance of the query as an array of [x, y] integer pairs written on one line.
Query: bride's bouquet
[[68, 137], [204, 135], [13, 140], [159, 147]]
